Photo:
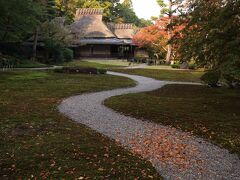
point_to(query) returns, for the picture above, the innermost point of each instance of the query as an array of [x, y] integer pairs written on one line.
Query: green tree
[[114, 11], [126, 14], [169, 10], [68, 8], [17, 19], [128, 3], [56, 37], [212, 36], [154, 18], [144, 23], [48, 13]]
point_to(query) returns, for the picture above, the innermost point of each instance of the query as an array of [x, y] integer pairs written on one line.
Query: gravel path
[[175, 154]]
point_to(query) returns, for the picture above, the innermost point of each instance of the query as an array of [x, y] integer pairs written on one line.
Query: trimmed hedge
[[176, 65], [211, 78], [192, 66], [81, 70]]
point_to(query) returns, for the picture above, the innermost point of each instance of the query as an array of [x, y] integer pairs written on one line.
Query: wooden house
[[95, 39]]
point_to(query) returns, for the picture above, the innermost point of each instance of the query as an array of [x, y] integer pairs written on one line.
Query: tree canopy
[[114, 11], [17, 18], [126, 14], [169, 9], [155, 38], [211, 36]]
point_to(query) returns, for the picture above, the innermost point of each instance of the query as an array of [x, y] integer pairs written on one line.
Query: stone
[[184, 65]]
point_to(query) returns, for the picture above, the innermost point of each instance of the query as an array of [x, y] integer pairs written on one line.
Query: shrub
[[58, 56], [68, 54], [76, 70], [175, 65], [8, 61], [58, 70], [102, 71], [211, 78], [231, 73], [161, 62], [140, 58], [150, 62], [192, 66], [80, 70]]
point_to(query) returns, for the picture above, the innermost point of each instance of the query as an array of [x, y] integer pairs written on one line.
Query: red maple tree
[[154, 38]]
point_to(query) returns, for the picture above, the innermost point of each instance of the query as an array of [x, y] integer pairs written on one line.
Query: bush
[[57, 52], [211, 78], [57, 55], [150, 62], [175, 65], [231, 73], [192, 66], [68, 54], [62, 54], [102, 71], [8, 61], [140, 58], [81, 70]]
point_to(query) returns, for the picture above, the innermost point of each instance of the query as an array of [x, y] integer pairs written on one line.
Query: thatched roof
[[89, 28], [88, 24], [122, 31], [109, 41]]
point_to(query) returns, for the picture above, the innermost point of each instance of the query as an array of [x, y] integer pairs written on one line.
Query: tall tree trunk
[[169, 29], [169, 54], [35, 41]]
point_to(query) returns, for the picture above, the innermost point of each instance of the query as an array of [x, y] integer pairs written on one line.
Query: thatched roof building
[[88, 24], [122, 31], [94, 38], [91, 37]]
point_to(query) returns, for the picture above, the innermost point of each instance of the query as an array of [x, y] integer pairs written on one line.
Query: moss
[[170, 75], [38, 142], [209, 113]]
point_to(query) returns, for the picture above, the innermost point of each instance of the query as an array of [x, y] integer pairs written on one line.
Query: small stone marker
[[184, 65]]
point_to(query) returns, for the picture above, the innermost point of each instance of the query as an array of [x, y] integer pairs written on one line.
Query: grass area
[[96, 63], [165, 67], [170, 75], [119, 63], [206, 112], [38, 142], [30, 64]]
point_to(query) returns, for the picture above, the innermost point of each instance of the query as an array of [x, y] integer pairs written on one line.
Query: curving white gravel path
[[173, 153]]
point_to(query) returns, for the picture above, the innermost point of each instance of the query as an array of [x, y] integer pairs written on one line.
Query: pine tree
[[128, 3], [18, 18], [169, 10]]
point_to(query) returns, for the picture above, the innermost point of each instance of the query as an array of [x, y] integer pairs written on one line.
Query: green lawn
[[38, 142], [120, 63], [30, 64], [209, 113], [164, 67], [95, 63], [161, 74]]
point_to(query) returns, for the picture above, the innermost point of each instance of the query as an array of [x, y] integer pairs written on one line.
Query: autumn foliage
[[154, 38]]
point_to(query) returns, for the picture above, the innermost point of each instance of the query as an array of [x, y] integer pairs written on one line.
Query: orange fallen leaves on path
[[167, 146]]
